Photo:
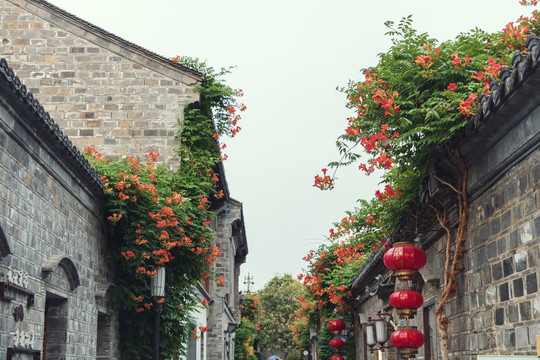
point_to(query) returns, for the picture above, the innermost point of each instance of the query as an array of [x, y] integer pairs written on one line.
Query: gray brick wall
[[225, 295], [47, 211], [102, 92], [496, 309], [502, 261]]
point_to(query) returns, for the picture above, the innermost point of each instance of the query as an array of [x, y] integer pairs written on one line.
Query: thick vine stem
[[453, 265]]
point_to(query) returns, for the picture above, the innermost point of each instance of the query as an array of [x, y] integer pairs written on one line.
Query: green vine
[[419, 95], [161, 218]]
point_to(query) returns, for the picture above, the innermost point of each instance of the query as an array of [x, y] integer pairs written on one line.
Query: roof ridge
[[511, 79], [110, 35]]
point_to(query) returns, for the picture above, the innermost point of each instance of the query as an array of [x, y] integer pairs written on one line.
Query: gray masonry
[[224, 313], [496, 310], [107, 93], [102, 91], [52, 265]]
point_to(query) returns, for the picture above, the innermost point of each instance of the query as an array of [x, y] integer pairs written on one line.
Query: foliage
[[219, 102], [279, 299], [420, 94], [251, 312], [160, 218], [215, 115], [152, 226]]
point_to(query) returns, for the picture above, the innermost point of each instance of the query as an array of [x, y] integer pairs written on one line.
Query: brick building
[[102, 91], [105, 92], [496, 310], [54, 272]]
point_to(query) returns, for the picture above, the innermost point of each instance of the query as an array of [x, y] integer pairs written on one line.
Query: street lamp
[[377, 331], [370, 334], [381, 330], [158, 283], [157, 288]]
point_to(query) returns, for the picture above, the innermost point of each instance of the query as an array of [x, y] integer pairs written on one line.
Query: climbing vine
[[418, 97], [455, 245], [251, 312], [161, 218]]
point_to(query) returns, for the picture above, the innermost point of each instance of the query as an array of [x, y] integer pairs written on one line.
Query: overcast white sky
[[290, 56]]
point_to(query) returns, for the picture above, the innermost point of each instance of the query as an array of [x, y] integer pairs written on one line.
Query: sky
[[289, 58]]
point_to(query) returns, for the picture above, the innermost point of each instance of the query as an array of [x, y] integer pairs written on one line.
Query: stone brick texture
[[101, 92], [43, 214], [121, 99], [226, 308], [494, 310]]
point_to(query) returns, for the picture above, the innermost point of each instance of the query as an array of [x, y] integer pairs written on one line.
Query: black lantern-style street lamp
[[157, 288]]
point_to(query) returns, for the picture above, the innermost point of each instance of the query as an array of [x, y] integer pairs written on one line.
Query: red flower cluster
[[341, 229], [376, 145], [520, 33], [321, 264], [251, 311], [220, 280], [457, 61], [466, 106], [158, 235], [128, 254], [383, 97], [424, 60], [389, 193], [324, 182], [491, 72]]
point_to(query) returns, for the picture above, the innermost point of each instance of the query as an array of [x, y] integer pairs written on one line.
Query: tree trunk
[[444, 344], [454, 255]]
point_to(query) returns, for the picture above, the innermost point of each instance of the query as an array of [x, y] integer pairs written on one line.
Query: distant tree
[[279, 299], [251, 311]]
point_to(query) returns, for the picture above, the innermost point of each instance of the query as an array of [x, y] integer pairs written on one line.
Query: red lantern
[[337, 343], [337, 357], [406, 301], [335, 326], [408, 340], [404, 259]]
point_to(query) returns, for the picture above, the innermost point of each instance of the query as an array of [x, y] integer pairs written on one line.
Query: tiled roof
[[126, 43], [508, 98], [46, 127], [511, 78]]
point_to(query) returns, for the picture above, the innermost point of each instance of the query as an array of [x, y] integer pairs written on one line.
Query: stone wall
[[108, 93], [51, 221], [225, 309], [497, 307], [502, 263], [102, 90]]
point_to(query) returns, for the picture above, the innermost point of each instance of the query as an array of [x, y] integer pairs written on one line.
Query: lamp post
[[157, 287], [377, 331]]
